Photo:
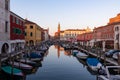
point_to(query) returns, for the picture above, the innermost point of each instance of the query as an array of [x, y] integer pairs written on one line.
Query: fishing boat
[[21, 65], [81, 55], [112, 73], [12, 71], [94, 63]]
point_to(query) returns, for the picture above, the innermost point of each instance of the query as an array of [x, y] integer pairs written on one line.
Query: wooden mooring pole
[[0, 62], [104, 60]]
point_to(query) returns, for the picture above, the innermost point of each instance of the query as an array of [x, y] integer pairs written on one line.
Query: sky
[[71, 14]]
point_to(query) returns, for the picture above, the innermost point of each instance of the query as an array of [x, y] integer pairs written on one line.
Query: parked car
[[111, 52]]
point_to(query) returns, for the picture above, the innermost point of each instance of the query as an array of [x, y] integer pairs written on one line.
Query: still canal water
[[61, 65], [58, 65]]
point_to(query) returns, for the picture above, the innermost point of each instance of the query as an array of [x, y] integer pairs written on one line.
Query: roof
[[75, 30], [29, 22], [13, 14]]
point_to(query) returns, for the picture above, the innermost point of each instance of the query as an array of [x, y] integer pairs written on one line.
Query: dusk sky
[[72, 14]]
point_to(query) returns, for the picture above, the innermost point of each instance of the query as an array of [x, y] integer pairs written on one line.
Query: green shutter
[[14, 30]]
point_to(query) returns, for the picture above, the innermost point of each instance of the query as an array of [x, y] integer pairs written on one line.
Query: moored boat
[[12, 71], [94, 63], [112, 73], [27, 61], [21, 65], [81, 55], [74, 52]]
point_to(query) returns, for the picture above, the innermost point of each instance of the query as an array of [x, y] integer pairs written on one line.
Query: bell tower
[[58, 27], [59, 30]]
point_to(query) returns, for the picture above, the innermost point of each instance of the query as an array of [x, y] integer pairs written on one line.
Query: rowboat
[[12, 71], [27, 61], [21, 65]]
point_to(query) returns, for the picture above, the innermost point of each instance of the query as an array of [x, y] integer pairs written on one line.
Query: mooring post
[[0, 62], [104, 59], [11, 60], [100, 54], [97, 54]]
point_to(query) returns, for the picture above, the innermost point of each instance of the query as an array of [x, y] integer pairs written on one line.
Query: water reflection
[[91, 71], [83, 62], [59, 64], [59, 49]]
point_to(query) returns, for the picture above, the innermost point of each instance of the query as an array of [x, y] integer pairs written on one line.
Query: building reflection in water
[[46, 53], [67, 52], [59, 49]]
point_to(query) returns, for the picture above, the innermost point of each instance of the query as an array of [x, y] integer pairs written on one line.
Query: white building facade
[[46, 34], [117, 36], [4, 26], [62, 37], [71, 34]]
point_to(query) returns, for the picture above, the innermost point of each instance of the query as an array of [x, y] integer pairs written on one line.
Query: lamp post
[[84, 40], [95, 38]]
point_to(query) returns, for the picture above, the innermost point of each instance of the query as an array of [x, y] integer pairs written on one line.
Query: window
[[31, 34], [6, 26], [17, 31], [13, 19], [17, 21], [31, 27], [6, 4], [25, 34], [117, 37], [117, 28]]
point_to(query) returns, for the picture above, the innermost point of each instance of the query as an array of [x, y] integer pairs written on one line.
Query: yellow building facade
[[32, 33]]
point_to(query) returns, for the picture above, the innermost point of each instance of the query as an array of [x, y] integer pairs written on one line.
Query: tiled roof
[[29, 22], [75, 30]]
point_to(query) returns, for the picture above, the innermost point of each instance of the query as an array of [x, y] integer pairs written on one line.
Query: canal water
[[61, 65], [58, 64]]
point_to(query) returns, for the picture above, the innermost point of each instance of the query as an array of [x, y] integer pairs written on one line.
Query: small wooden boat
[[12, 71], [112, 73], [94, 63], [36, 59], [81, 55], [27, 61], [32, 55], [21, 65]]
